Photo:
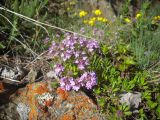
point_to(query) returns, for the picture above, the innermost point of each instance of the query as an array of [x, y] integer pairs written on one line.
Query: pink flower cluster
[[87, 80], [77, 50]]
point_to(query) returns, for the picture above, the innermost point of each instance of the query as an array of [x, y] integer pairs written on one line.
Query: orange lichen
[[67, 117], [62, 93], [29, 96], [82, 103], [48, 103], [33, 114], [94, 118], [1, 86], [42, 88]]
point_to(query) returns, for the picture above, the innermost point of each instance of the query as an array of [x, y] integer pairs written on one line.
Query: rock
[[51, 74], [131, 99], [8, 73], [8, 112], [37, 102], [23, 111], [74, 106], [11, 75]]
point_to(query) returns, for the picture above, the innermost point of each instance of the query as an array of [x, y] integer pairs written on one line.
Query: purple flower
[[77, 54], [69, 42], [58, 69], [67, 55], [52, 48], [92, 45], [81, 66], [88, 79], [82, 62], [65, 83], [74, 49], [76, 87], [82, 41]]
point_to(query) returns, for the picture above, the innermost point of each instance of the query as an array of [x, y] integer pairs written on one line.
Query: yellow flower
[[91, 22], [127, 20], [93, 19], [99, 18], [97, 12], [156, 18], [104, 20], [82, 13], [138, 15], [85, 21]]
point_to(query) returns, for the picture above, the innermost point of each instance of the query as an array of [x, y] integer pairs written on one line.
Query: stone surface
[[37, 102], [131, 99]]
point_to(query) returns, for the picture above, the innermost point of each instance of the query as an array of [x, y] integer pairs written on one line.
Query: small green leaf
[[128, 113], [97, 91], [152, 104], [115, 89], [101, 102], [2, 46], [104, 49]]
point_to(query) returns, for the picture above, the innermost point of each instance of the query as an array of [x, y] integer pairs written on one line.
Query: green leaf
[[115, 89], [104, 49], [97, 91], [129, 61], [146, 95], [158, 111], [152, 104], [101, 102], [2, 46], [123, 67], [128, 113]]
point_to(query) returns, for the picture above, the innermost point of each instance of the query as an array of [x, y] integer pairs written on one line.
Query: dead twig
[[10, 79]]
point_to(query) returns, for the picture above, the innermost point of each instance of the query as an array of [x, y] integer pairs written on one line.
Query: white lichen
[[131, 99], [44, 97], [23, 111]]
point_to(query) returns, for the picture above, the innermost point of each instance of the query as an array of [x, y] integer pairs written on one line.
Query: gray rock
[[23, 111], [131, 99]]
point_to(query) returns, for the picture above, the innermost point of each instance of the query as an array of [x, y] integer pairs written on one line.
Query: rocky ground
[[33, 98]]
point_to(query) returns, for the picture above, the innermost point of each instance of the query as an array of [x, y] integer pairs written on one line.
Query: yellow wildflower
[[138, 15], [104, 20], [82, 13], [100, 18], [97, 12], [91, 22], [156, 18], [127, 20], [93, 19]]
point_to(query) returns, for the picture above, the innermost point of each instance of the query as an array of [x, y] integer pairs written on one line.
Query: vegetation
[[115, 61]]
